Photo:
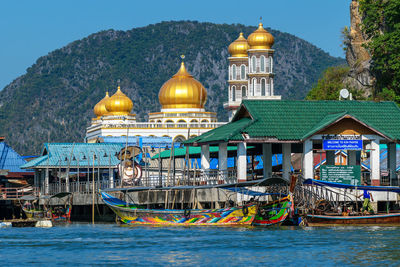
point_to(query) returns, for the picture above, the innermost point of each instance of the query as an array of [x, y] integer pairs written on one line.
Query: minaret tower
[[251, 71], [238, 69], [261, 63]]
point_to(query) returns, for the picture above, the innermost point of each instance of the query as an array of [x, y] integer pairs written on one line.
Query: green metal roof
[[295, 120], [64, 155], [193, 151]]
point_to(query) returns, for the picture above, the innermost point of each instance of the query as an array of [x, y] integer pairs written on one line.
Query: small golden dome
[[260, 39], [239, 47], [119, 104], [182, 91], [100, 108]]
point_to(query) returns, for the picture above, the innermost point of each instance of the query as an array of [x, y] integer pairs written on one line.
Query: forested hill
[[55, 98]]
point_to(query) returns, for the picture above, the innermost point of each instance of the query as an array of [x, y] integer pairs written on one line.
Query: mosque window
[[270, 64], [179, 139], [243, 91], [234, 72], [253, 64], [269, 87], [263, 87], [169, 123], [233, 93], [254, 87], [262, 63], [243, 72], [267, 64], [182, 124]]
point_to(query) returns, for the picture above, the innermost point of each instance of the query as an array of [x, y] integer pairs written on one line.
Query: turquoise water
[[109, 244]]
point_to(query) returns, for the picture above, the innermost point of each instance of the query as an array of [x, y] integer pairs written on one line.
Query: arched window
[[254, 87], [230, 72], [234, 74], [233, 93], [169, 123], [243, 91], [269, 87], [182, 124], [263, 87], [267, 64], [271, 63], [179, 139], [253, 63], [243, 72], [262, 63]]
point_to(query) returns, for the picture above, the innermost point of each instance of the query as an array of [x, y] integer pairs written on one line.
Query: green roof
[[77, 154], [194, 151], [295, 120]]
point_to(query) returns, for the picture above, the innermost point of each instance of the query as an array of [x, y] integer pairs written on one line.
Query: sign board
[[342, 144], [341, 174]]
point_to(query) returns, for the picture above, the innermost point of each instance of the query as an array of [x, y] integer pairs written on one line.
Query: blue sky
[[30, 29]]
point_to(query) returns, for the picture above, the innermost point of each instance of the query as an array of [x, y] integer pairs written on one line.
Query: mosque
[[182, 97]]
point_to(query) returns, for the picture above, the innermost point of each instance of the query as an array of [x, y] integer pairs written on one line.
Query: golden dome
[[239, 47], [100, 108], [182, 91], [260, 39], [119, 104]]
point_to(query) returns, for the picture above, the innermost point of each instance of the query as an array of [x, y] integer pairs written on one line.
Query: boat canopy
[[393, 189], [183, 187]]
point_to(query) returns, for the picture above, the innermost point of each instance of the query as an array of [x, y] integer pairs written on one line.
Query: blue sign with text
[[342, 145]]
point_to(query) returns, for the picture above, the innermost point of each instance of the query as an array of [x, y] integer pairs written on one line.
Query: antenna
[[344, 94]]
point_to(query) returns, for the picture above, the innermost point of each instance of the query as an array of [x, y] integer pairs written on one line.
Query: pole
[[93, 193]]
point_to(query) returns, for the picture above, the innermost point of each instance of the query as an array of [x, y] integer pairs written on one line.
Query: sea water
[[110, 244]]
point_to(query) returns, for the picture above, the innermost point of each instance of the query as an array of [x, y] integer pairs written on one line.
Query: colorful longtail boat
[[274, 213], [132, 214]]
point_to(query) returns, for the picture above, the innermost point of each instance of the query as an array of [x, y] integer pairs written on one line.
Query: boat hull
[[133, 215], [378, 219]]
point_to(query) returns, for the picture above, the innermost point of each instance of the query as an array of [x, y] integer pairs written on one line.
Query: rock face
[[358, 58]]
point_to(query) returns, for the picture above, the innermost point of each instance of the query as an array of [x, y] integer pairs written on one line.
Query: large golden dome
[[239, 47], [119, 104], [100, 108], [260, 39], [182, 91]]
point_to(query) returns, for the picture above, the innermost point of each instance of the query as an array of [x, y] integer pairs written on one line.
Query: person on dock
[[367, 200]]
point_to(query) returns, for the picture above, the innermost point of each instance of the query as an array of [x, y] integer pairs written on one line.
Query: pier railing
[[14, 193]]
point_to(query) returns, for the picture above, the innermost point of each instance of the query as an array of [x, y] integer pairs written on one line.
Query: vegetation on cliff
[[381, 24], [54, 100]]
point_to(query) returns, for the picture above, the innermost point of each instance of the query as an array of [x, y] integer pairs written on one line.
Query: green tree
[[332, 81], [381, 24]]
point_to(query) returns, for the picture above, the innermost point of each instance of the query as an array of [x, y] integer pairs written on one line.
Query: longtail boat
[[356, 218], [132, 214], [274, 213]]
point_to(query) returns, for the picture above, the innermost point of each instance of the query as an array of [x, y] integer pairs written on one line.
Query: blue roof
[[150, 141], [72, 155], [9, 159]]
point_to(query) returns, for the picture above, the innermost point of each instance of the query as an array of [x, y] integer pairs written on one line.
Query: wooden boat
[[132, 214], [325, 218], [58, 213], [274, 213], [376, 219]]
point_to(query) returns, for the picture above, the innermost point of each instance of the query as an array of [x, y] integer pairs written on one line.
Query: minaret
[[261, 71], [251, 69], [238, 70]]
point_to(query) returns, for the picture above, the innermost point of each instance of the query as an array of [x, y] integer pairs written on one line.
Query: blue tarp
[[358, 187]]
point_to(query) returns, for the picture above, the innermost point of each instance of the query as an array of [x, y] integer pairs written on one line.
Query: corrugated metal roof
[[297, 119], [9, 159], [72, 155]]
